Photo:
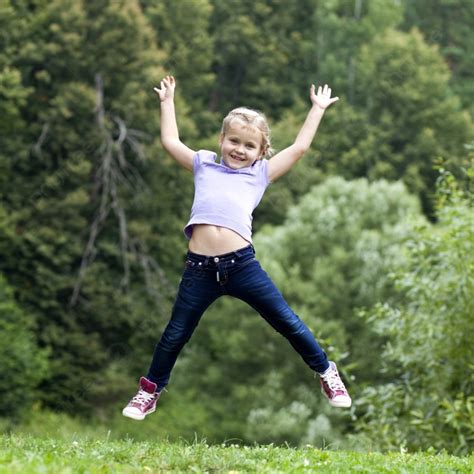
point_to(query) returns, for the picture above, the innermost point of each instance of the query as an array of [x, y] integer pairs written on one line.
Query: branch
[[113, 170], [39, 143]]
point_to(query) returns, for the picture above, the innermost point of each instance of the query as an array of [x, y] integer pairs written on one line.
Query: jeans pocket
[[241, 265], [193, 270]]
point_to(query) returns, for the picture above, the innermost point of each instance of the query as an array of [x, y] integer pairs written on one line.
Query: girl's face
[[241, 145]]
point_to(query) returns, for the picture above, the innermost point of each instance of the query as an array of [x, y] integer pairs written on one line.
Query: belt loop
[[253, 248], [206, 261]]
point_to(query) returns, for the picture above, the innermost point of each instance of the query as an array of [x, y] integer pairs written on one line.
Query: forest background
[[370, 237]]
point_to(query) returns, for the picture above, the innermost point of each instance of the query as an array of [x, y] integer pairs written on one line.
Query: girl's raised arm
[[282, 162], [169, 128]]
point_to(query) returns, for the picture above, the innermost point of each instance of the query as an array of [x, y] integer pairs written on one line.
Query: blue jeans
[[237, 274]]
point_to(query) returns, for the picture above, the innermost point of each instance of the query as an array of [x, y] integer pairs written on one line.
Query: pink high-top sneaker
[[333, 387], [144, 402]]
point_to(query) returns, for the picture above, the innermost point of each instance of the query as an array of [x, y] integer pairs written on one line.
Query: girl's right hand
[[166, 90]]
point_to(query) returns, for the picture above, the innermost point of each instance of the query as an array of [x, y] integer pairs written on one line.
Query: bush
[[22, 364], [429, 354]]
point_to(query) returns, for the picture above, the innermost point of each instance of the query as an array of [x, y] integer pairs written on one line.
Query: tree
[[449, 25], [182, 31], [23, 365], [78, 257], [428, 401], [342, 28], [406, 116]]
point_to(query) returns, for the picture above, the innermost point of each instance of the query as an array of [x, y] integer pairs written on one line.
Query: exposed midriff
[[210, 239]]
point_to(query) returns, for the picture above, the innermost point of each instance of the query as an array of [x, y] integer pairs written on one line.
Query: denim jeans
[[237, 274]]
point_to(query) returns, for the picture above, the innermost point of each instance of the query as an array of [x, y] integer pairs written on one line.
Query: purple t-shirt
[[226, 197]]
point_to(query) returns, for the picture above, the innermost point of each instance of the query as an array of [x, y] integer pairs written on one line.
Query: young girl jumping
[[221, 258]]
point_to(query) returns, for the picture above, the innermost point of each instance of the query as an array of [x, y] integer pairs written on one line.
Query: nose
[[240, 148]]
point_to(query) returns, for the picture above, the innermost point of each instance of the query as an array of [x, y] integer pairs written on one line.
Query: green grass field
[[25, 454]]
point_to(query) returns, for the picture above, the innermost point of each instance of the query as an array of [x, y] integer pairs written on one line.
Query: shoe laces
[[333, 380], [143, 397]]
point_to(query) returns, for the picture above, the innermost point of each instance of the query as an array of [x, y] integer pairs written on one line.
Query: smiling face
[[241, 145]]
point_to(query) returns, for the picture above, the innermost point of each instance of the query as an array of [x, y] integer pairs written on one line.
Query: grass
[[28, 454]]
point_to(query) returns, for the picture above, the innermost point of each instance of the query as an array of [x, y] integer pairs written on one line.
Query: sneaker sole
[[136, 416], [340, 404]]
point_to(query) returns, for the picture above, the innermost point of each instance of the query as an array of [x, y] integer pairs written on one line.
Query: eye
[[233, 140], [251, 146]]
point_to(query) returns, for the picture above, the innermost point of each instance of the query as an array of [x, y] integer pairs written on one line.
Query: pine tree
[[77, 169]]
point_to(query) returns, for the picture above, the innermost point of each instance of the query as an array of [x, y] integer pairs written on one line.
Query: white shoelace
[[143, 397], [334, 381]]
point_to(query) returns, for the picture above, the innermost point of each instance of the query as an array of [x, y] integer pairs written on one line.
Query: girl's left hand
[[166, 90], [323, 98]]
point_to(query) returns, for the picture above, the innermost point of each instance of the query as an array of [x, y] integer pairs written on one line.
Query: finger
[[334, 99], [329, 91], [320, 90], [156, 90]]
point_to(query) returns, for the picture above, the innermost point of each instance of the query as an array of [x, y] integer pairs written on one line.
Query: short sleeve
[[263, 172], [203, 156]]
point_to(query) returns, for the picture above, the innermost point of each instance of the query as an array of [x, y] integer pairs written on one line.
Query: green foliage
[[343, 27], [80, 150], [388, 127], [182, 31], [429, 352], [283, 46], [23, 365], [409, 128], [12, 98], [238, 82], [448, 24]]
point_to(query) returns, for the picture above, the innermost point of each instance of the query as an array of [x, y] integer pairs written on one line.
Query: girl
[[221, 258]]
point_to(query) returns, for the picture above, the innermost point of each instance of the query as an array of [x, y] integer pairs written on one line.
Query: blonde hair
[[255, 119]]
